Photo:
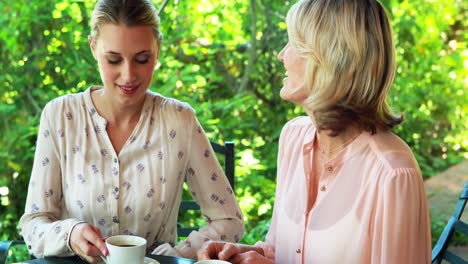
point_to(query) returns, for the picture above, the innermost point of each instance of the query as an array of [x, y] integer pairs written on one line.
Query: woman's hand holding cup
[[86, 241]]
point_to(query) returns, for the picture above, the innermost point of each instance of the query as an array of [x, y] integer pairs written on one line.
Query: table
[[76, 260]]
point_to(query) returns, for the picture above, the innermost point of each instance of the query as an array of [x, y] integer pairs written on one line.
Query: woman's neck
[[330, 146], [113, 112]]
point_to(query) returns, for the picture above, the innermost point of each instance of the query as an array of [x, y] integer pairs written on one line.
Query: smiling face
[[293, 83], [126, 57]]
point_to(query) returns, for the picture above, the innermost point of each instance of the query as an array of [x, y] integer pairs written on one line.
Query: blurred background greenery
[[220, 56]]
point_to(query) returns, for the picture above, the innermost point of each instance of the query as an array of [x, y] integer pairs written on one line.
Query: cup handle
[[103, 258]]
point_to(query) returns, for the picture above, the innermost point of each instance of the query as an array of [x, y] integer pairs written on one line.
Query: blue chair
[[5, 248], [440, 251]]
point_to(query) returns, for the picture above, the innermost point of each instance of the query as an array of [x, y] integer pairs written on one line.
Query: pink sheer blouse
[[371, 205]]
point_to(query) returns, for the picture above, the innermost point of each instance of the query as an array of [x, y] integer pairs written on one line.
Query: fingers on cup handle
[[101, 245], [94, 237]]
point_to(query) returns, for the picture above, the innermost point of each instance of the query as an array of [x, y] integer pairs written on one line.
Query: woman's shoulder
[[299, 130], [393, 151], [300, 122], [168, 104], [68, 102]]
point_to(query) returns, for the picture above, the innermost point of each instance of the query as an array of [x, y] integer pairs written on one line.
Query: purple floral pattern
[[124, 191]]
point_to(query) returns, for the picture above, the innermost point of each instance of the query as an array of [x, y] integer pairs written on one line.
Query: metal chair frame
[[440, 251]]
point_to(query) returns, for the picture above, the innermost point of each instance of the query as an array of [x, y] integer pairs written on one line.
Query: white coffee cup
[[125, 249], [212, 261]]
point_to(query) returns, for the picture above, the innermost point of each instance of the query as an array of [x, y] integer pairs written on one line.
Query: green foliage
[[220, 56], [432, 80], [18, 253]]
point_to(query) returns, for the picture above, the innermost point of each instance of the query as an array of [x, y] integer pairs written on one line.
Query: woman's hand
[[250, 257], [230, 251], [87, 243], [218, 250]]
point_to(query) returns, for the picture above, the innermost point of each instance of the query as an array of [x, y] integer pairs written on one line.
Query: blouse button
[[115, 160], [29, 247], [323, 188], [298, 251], [329, 168], [116, 189]]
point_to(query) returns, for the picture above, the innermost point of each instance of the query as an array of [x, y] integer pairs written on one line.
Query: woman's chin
[[295, 96]]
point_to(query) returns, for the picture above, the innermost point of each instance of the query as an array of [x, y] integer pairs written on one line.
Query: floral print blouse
[[77, 176]]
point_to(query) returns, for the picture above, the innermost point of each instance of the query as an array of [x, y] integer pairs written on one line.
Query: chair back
[[229, 162], [454, 225], [5, 247]]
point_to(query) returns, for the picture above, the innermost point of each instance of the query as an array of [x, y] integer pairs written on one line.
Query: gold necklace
[[340, 147]]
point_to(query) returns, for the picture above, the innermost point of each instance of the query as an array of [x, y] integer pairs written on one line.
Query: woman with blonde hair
[[112, 159], [348, 189]]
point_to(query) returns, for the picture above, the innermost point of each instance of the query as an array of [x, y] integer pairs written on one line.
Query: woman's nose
[[128, 72], [280, 55]]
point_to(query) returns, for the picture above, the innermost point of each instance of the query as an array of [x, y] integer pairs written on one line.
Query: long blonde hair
[[350, 62]]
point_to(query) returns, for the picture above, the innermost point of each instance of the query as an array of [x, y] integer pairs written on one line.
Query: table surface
[[76, 260]]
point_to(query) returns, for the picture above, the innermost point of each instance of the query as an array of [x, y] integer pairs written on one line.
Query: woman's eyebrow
[[138, 53], [143, 52], [112, 52]]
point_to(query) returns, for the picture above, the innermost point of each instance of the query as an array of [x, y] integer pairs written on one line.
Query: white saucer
[[151, 261], [147, 261]]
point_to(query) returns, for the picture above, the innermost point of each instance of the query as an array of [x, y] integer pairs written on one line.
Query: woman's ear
[[92, 45]]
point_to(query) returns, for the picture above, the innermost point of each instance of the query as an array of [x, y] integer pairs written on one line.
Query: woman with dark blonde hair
[[112, 159], [348, 189]]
